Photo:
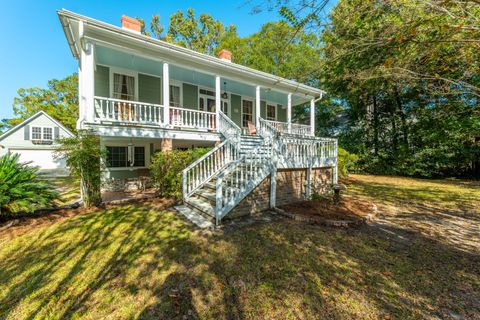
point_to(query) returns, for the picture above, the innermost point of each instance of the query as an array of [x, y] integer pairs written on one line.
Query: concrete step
[[202, 205], [196, 218]]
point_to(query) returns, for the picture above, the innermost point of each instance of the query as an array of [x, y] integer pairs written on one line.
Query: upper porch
[[140, 84]]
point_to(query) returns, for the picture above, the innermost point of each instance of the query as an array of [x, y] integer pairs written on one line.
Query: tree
[[202, 35], [83, 157], [21, 188], [156, 28], [59, 100]]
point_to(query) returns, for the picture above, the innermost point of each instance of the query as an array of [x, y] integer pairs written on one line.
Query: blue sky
[[34, 48]]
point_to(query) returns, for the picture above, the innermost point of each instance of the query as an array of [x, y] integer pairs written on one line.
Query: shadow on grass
[[139, 261]]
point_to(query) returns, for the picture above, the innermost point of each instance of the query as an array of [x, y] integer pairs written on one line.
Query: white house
[[35, 139], [142, 95]]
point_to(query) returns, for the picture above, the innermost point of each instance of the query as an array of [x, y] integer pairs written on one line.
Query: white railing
[[187, 118], [300, 129], [241, 177], [228, 128], [294, 152], [116, 110], [295, 128], [205, 168], [267, 129]]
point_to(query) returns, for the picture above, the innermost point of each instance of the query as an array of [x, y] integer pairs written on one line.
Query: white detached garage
[[35, 140]]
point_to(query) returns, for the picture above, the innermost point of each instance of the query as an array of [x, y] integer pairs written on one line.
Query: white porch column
[[86, 80], [166, 94], [257, 106], [312, 117], [289, 113], [218, 101]]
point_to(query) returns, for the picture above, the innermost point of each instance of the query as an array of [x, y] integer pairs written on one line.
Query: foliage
[[166, 169], [83, 157], [346, 162], [21, 189], [59, 100], [404, 74]]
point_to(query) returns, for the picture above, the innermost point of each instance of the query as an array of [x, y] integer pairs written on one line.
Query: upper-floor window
[[271, 112], [123, 87], [41, 133], [175, 96]]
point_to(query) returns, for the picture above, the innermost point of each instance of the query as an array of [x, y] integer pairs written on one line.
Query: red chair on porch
[[251, 128]]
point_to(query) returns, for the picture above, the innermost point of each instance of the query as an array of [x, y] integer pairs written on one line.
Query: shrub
[[82, 154], [21, 188], [346, 162], [166, 169]]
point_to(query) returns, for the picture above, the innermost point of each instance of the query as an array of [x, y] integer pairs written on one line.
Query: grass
[[142, 261], [68, 189]]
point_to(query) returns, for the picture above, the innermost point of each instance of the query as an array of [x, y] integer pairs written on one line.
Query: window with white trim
[[123, 87], [271, 112], [247, 112], [175, 96], [36, 133], [47, 133], [206, 100], [121, 157]]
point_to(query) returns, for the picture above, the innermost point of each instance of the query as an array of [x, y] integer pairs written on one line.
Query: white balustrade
[[296, 128], [116, 110], [188, 118]]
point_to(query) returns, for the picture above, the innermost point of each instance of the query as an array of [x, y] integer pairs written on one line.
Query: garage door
[[41, 158]]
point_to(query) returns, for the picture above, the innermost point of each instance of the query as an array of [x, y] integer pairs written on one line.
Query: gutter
[[67, 29], [188, 54]]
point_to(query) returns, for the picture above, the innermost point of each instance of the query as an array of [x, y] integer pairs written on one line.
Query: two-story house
[[142, 95]]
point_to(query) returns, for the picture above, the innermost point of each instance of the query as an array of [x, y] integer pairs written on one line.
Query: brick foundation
[[291, 187]]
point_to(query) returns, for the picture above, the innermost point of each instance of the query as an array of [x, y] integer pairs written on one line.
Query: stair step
[[202, 205], [198, 219], [207, 194]]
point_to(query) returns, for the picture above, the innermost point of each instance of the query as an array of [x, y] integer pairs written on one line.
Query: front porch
[[130, 90]]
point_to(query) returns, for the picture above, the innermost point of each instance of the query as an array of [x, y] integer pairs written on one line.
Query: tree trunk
[[394, 131], [375, 124], [403, 117]]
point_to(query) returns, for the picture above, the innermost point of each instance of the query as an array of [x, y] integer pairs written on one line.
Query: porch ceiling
[[124, 60]]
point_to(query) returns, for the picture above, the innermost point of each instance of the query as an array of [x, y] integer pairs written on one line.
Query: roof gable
[[41, 113]]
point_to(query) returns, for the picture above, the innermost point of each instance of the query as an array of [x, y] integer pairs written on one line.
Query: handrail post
[[184, 185], [218, 200]]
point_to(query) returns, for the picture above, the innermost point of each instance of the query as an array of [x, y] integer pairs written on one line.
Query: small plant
[[83, 154], [346, 162], [167, 167], [21, 188]]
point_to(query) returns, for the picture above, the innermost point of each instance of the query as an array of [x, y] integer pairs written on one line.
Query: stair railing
[[242, 176], [204, 169]]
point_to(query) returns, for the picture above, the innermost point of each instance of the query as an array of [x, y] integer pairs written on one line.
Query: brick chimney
[[131, 24], [225, 55]]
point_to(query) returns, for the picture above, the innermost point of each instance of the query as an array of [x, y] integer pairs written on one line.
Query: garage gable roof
[[28, 120]]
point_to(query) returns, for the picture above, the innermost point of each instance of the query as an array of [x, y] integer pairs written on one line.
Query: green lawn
[[68, 189], [142, 261]]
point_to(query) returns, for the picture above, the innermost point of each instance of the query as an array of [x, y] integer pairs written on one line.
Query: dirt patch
[[350, 211]]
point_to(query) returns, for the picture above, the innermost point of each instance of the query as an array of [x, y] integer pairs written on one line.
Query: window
[[47, 133], [225, 106], [36, 133], [139, 157], [247, 112], [271, 112], [117, 157], [206, 100], [42, 133], [123, 87], [174, 96]]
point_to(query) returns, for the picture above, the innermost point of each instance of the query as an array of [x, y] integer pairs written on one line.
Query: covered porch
[[131, 90]]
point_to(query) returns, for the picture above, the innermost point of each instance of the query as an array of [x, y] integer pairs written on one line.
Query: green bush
[[21, 189], [83, 154], [346, 162], [166, 169]]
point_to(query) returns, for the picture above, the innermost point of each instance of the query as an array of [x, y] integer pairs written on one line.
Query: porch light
[[224, 94]]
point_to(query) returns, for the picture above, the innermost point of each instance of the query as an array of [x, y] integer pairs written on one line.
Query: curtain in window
[[174, 96], [117, 85], [130, 86]]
